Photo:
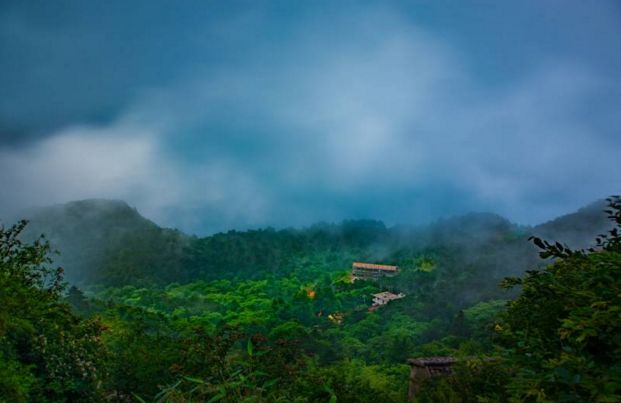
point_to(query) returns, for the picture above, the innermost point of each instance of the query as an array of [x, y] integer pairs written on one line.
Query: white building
[[385, 297]]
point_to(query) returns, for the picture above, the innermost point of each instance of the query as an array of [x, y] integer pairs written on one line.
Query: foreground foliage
[[563, 333], [560, 339], [302, 332], [46, 353]]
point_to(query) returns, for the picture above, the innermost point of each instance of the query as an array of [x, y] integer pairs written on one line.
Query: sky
[[213, 115]]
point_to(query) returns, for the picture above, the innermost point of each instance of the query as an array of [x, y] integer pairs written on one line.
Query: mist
[[276, 200], [276, 115]]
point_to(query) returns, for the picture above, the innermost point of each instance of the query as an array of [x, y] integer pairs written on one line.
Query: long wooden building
[[370, 271]]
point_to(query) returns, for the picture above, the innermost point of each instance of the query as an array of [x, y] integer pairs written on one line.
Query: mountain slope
[[109, 243], [578, 229], [91, 234]]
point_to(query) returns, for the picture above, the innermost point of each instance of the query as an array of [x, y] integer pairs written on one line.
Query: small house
[[385, 297]]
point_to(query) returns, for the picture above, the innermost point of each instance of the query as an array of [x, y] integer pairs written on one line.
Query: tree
[[563, 333], [46, 353]]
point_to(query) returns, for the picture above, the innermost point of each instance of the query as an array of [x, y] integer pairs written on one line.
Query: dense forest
[[142, 313]]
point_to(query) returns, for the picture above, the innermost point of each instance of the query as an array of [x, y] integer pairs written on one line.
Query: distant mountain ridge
[[84, 213], [109, 242], [87, 232], [577, 229]]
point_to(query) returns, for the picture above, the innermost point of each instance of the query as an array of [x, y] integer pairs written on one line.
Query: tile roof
[[360, 265]]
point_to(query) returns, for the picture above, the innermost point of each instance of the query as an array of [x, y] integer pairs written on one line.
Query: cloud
[[532, 149], [373, 117], [125, 162]]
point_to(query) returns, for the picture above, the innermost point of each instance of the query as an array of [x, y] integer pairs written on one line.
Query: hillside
[[577, 229], [274, 314], [90, 235], [109, 243]]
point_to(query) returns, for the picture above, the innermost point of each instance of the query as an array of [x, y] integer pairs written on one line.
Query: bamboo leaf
[[221, 395], [250, 348]]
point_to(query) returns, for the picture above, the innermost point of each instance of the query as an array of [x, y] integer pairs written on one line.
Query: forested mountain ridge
[[92, 235], [576, 229], [109, 243]]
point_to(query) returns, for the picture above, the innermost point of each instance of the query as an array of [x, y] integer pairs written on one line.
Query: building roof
[[388, 295], [360, 265]]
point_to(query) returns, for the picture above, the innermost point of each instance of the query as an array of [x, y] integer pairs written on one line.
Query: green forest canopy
[[166, 317]]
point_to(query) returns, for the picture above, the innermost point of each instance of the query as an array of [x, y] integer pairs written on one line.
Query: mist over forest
[[267, 314], [90, 234], [310, 201]]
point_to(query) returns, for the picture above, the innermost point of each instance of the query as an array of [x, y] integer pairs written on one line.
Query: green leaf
[[195, 380], [221, 394], [271, 382], [250, 348], [141, 400]]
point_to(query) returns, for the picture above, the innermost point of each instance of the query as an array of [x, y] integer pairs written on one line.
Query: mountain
[[92, 234], [578, 229], [108, 242]]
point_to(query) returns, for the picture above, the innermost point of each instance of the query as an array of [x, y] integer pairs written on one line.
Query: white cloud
[[125, 162], [332, 117], [78, 162]]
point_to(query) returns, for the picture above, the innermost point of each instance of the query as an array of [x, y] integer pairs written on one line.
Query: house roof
[[360, 265], [388, 295]]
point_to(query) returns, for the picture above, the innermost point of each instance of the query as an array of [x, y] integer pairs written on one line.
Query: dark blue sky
[[210, 115]]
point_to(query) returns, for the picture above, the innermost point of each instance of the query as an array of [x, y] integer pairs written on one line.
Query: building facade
[[370, 271], [385, 297]]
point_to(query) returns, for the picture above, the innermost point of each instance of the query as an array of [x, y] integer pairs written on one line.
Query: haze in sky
[[211, 115]]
